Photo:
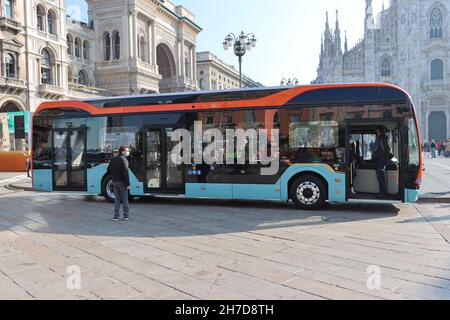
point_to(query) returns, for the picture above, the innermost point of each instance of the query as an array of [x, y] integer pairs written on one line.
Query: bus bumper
[[411, 196]]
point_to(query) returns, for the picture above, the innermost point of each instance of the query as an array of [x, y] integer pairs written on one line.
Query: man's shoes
[[115, 219], [125, 219], [381, 195]]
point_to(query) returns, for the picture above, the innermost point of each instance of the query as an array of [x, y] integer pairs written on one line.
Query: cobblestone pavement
[[202, 249]]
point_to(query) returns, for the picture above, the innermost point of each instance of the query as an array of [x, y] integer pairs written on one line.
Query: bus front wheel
[[308, 192], [107, 189]]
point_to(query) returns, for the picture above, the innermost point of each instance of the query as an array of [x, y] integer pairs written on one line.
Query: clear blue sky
[[288, 31]]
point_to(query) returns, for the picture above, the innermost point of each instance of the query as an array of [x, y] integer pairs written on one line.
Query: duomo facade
[[407, 44]]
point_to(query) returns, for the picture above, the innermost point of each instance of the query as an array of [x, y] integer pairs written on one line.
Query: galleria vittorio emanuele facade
[[147, 47]]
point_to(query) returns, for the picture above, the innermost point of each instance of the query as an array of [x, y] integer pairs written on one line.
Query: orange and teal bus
[[325, 135]]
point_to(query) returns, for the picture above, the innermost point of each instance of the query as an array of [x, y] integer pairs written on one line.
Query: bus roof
[[175, 94], [322, 94]]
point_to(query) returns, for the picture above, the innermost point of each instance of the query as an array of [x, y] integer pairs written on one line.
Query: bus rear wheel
[[308, 192], [108, 190]]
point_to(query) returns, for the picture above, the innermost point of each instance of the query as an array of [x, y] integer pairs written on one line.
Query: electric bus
[[307, 144]]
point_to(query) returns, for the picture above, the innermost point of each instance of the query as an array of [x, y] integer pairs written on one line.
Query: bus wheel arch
[[312, 184]]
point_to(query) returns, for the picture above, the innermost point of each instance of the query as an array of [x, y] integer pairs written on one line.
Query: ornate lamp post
[[289, 82], [241, 44]]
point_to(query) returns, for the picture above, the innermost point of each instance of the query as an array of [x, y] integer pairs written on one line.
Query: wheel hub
[[308, 193]]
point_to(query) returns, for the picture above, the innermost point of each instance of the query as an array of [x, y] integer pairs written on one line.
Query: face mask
[[127, 154]]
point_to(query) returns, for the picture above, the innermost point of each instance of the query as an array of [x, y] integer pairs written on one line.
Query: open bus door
[[361, 168]]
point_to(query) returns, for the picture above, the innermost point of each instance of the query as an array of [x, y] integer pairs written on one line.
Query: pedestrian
[[381, 154], [433, 149], [426, 148], [442, 148], [28, 167], [447, 149], [118, 168]]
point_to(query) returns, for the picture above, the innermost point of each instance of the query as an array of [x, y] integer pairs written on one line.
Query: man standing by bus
[[118, 168], [381, 155]]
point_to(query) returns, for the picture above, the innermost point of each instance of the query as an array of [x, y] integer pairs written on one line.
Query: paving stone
[[170, 250]]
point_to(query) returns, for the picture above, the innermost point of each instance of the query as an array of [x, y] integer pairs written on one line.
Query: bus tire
[[308, 192], [107, 190]]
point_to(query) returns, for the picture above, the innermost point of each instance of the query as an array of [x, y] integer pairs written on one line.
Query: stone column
[[194, 63], [153, 43], [2, 64], [133, 33], [148, 56], [447, 114], [427, 116], [182, 71], [191, 59]]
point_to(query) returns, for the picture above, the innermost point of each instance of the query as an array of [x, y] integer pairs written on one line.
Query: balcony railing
[[442, 85], [88, 89], [11, 24], [12, 83], [51, 91]]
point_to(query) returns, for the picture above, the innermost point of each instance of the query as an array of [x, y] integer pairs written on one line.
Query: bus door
[[69, 159], [162, 175], [361, 168]]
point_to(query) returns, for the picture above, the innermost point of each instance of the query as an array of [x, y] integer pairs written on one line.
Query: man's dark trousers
[[121, 196], [380, 169]]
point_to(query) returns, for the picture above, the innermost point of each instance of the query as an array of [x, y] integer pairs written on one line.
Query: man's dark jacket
[[384, 149], [118, 168]]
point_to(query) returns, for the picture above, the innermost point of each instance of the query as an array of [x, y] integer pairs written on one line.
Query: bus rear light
[[418, 181]]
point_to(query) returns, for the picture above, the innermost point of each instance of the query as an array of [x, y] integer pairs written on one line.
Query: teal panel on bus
[[257, 191], [209, 190], [136, 187], [336, 190], [411, 196], [278, 191], [42, 180], [94, 178]]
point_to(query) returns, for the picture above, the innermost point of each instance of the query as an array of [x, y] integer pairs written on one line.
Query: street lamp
[[242, 44], [289, 82]]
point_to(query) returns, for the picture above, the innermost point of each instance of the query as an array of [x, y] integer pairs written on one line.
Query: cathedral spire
[[328, 39], [369, 21], [337, 35], [369, 10], [327, 27], [321, 45], [346, 42]]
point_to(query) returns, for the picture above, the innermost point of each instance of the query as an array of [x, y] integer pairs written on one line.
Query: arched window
[[86, 49], [70, 75], [8, 8], [386, 67], [141, 48], [78, 47], [82, 78], [46, 67], [436, 23], [51, 22], [10, 66], [116, 41], [69, 44], [106, 46], [437, 69], [40, 14]]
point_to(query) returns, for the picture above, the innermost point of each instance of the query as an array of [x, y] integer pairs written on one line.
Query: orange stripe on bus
[[275, 100]]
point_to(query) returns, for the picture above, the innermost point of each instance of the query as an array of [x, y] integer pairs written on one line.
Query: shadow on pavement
[[175, 217]]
